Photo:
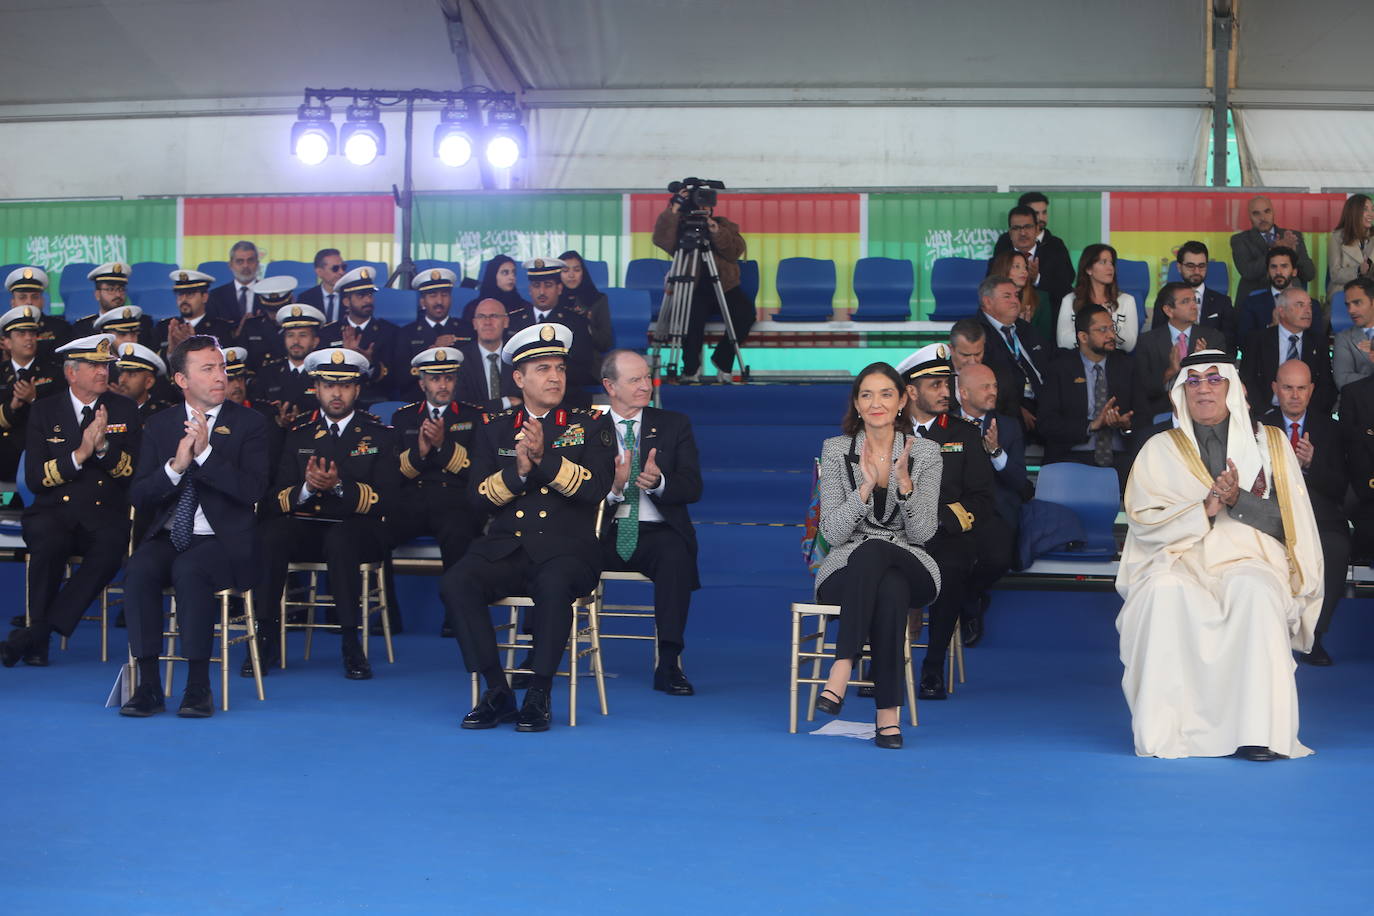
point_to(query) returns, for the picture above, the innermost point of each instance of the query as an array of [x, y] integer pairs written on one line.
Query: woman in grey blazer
[[879, 493]]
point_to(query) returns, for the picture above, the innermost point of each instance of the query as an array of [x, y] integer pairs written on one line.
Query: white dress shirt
[[77, 405], [648, 512], [202, 525]]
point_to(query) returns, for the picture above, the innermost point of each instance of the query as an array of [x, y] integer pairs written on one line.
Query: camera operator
[[729, 247]]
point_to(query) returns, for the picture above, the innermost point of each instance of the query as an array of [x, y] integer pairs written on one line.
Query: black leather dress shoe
[[146, 701], [19, 621], [495, 707], [12, 650], [971, 631], [673, 682], [535, 715], [1258, 753], [1318, 657], [830, 705], [888, 736], [267, 660], [196, 703], [357, 668], [932, 686]]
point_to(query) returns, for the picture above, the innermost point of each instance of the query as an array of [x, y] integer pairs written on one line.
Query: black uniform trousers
[[956, 555], [52, 539], [1335, 541], [663, 556], [469, 587], [875, 589], [438, 510], [704, 302], [194, 574], [996, 542], [342, 546]]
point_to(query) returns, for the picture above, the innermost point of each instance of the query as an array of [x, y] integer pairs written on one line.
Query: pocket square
[[222, 430]]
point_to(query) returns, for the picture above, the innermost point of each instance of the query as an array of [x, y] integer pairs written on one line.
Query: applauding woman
[[879, 491]]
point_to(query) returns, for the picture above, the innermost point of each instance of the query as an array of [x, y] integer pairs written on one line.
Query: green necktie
[[627, 529]]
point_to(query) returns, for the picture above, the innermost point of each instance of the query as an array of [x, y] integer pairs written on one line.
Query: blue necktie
[[184, 519], [1292, 346]]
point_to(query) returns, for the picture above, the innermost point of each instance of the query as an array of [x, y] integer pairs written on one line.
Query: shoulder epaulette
[[410, 405], [488, 417], [370, 417], [303, 423]]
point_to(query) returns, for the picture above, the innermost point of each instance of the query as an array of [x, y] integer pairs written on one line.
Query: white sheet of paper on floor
[[119, 693], [844, 729]]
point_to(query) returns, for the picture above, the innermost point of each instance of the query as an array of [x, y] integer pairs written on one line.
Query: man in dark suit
[[376, 339], [484, 378], [1250, 251], [1214, 308], [1088, 405], [202, 470], [1357, 439], [966, 501], [1014, 351], [26, 286], [1257, 310], [259, 333], [1292, 338], [1159, 351], [1028, 232], [82, 443], [285, 383], [192, 289], [434, 328], [546, 289], [111, 292], [540, 470], [335, 482], [329, 267], [237, 299], [1005, 446], [25, 377], [647, 528], [1316, 439]]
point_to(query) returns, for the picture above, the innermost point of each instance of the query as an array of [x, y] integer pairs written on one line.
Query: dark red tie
[[1293, 436]]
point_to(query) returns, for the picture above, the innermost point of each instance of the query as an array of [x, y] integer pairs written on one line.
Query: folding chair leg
[[573, 643], [474, 690], [104, 624], [793, 671], [252, 625], [224, 652], [384, 606], [171, 648], [599, 670]]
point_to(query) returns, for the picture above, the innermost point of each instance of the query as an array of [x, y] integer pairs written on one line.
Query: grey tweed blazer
[[846, 522]]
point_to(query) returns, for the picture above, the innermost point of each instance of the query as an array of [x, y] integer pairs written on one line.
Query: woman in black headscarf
[[498, 282], [581, 297]]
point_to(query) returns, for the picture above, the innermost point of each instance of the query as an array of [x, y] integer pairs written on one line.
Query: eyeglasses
[[1024, 227], [1196, 265], [1195, 381], [336, 268]]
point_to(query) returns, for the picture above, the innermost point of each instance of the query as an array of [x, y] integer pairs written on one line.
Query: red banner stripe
[[249, 216], [1149, 211], [790, 213]]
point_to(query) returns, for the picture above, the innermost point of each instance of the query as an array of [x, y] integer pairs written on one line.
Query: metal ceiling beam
[[949, 97]]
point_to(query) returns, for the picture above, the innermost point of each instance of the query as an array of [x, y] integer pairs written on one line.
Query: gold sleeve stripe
[[570, 477], [125, 467], [51, 476], [459, 460], [964, 516], [495, 490], [284, 498], [407, 468], [367, 498], [4, 416]]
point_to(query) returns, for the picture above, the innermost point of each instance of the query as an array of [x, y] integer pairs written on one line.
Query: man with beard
[[1250, 251], [111, 294], [375, 339], [192, 289], [546, 289], [1214, 308], [26, 286], [336, 479], [435, 328], [140, 369], [236, 300], [1257, 311], [286, 384]]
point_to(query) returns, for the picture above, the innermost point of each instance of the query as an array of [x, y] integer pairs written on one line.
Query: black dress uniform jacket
[[46, 375], [100, 487], [217, 328], [278, 383], [365, 454], [261, 337], [388, 369]]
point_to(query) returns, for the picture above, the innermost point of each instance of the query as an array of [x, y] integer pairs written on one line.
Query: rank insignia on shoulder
[[561, 417]]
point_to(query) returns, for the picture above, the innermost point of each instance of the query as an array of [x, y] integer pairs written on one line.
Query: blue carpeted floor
[[1018, 795]]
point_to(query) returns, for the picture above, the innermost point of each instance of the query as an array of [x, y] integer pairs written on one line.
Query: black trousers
[[996, 541], [469, 586], [956, 555], [438, 511], [194, 575], [704, 302], [874, 590], [663, 556], [1335, 540], [52, 538], [342, 546]]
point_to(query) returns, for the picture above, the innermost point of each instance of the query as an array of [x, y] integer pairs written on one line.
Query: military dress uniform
[[77, 511], [259, 333], [378, 334], [419, 336], [278, 381], [53, 331], [46, 375], [541, 540], [114, 272], [582, 367], [342, 528], [236, 366], [218, 328]]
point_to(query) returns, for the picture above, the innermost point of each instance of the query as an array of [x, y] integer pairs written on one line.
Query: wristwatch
[[338, 489], [995, 453]]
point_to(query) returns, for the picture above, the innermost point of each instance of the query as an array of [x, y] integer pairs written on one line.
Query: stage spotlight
[[312, 136], [363, 138], [505, 138], [453, 137]]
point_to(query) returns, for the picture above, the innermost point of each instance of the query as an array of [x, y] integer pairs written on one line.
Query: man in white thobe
[[1221, 576]]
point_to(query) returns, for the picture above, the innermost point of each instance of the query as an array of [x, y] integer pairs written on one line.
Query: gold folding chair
[[920, 617], [103, 617], [821, 649], [626, 612], [374, 596], [225, 629]]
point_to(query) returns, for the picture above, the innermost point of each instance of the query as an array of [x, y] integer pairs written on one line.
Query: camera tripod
[[670, 331]]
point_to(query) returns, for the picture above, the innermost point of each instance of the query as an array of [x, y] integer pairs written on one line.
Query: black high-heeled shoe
[[891, 742], [828, 706]]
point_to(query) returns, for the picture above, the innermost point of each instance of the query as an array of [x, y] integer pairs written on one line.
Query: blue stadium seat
[[430, 264], [156, 303], [303, 272], [398, 306], [749, 279], [1134, 277], [72, 286], [600, 272], [461, 297], [1340, 316], [8, 268], [1218, 276], [379, 270], [883, 287], [629, 316], [385, 410], [146, 275], [648, 274], [1095, 497], [806, 289], [221, 272], [954, 284]]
